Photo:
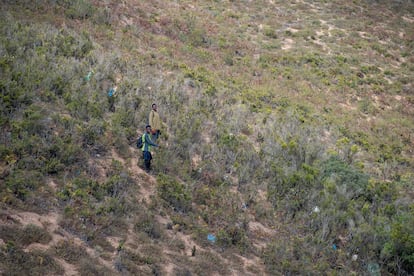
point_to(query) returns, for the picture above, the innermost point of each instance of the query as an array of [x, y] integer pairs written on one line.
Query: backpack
[[140, 142]]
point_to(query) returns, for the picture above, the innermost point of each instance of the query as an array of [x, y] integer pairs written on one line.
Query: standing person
[[111, 98], [146, 148], [111, 94], [155, 122]]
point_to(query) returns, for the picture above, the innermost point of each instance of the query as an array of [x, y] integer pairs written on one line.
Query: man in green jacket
[[146, 147]]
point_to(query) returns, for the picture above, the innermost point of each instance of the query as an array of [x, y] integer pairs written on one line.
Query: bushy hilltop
[[287, 148]]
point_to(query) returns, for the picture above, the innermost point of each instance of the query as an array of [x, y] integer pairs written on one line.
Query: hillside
[[288, 146]]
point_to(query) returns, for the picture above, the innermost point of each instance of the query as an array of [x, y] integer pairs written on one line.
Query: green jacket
[[147, 143]]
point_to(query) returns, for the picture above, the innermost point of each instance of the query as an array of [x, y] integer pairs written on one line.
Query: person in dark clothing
[[146, 148]]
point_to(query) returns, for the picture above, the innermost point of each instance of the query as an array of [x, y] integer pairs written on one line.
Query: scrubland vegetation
[[289, 136]]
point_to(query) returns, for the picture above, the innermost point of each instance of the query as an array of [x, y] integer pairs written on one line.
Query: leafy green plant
[[351, 180], [16, 261], [233, 236], [367, 107], [174, 193], [147, 224], [270, 32], [23, 236], [23, 183], [131, 261], [399, 250], [89, 267], [70, 252], [78, 9]]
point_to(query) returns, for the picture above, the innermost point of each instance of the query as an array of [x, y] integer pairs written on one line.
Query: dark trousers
[[111, 102], [147, 160], [155, 136]]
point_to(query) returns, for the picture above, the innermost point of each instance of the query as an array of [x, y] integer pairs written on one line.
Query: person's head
[[154, 106], [148, 128]]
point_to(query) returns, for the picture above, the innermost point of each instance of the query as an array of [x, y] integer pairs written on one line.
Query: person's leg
[[144, 157], [147, 160], [111, 102], [147, 165]]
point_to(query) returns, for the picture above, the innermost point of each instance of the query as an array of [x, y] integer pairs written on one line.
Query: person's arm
[[151, 118], [149, 141]]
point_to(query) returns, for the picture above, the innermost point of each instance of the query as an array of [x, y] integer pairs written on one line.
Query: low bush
[[32, 233], [233, 236], [398, 251], [69, 251], [23, 236], [174, 193], [148, 224], [203, 264], [91, 266], [15, 261], [78, 9], [21, 184], [351, 181]]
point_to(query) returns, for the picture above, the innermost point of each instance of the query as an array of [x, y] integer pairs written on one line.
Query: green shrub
[[70, 252], [70, 46], [78, 9], [117, 185], [71, 153], [352, 180], [24, 236], [270, 32], [399, 250], [91, 266], [131, 261], [174, 193], [233, 236], [103, 16], [366, 107], [292, 191], [93, 132], [147, 224], [53, 166], [32, 233], [23, 183], [124, 118], [196, 35], [15, 261], [209, 263]]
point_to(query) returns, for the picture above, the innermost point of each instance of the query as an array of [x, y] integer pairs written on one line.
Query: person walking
[[155, 123], [147, 143]]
